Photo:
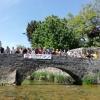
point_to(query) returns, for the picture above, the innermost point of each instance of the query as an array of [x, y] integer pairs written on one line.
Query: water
[[49, 92]]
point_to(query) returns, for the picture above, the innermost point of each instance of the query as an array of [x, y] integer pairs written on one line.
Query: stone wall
[[14, 68]]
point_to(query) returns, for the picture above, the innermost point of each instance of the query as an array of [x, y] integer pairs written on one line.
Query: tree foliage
[[31, 27], [53, 32], [67, 33]]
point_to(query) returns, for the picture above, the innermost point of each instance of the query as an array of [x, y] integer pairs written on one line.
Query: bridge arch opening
[[20, 78], [51, 74], [77, 80]]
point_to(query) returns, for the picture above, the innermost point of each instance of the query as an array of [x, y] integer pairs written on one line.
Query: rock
[[8, 77]]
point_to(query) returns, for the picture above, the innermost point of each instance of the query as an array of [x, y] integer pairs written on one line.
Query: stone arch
[[76, 78], [20, 77]]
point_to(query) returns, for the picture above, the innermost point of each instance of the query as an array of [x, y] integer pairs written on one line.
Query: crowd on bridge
[[20, 50], [24, 50], [75, 53]]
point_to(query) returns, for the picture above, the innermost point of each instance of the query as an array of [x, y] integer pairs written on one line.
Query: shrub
[[51, 77], [59, 79], [90, 78]]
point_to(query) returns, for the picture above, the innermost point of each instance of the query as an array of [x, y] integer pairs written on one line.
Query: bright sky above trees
[[15, 14]]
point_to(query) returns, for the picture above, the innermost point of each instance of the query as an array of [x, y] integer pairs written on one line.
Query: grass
[[51, 77], [91, 78]]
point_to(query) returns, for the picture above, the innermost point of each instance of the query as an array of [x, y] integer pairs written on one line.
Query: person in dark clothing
[[25, 51], [2, 50], [17, 51], [36, 51]]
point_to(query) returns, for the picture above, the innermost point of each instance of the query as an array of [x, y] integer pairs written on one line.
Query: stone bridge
[[15, 67]]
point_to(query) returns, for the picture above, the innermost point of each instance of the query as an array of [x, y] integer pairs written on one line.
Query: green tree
[[31, 27], [53, 32], [82, 25], [92, 14], [67, 33]]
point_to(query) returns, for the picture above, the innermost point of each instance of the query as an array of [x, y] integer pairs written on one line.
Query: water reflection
[[49, 92]]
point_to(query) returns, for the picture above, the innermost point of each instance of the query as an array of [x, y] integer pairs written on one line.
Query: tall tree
[[31, 27], [82, 25], [68, 32], [53, 32], [93, 23]]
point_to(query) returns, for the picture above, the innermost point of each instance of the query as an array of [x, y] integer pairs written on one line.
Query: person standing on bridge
[[90, 56], [7, 51]]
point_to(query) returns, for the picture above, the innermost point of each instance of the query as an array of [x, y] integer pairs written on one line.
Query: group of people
[[76, 53], [24, 50], [13, 50], [83, 53], [20, 50]]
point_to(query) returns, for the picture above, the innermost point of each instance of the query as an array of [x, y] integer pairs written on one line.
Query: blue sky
[[15, 14]]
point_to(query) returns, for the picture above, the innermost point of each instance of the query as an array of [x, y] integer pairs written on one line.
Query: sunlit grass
[[51, 77]]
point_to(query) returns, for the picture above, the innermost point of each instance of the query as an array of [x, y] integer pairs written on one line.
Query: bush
[[39, 76], [90, 78], [50, 77], [59, 78]]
